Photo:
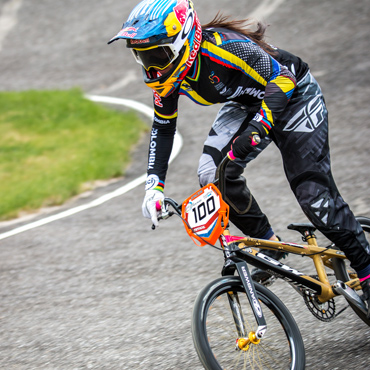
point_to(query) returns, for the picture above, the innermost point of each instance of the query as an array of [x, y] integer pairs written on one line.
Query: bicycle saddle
[[302, 228]]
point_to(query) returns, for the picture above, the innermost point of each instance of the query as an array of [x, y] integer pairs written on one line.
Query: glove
[[244, 144], [149, 206]]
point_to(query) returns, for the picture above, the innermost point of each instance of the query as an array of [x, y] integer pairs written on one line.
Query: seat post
[[310, 238]]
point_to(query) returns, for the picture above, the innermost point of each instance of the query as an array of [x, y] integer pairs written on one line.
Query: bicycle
[[238, 323]]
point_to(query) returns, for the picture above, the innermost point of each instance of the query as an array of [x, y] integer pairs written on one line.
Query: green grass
[[54, 142]]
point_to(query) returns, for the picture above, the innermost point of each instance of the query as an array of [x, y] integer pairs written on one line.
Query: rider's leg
[[327, 210], [303, 142], [245, 213], [365, 284]]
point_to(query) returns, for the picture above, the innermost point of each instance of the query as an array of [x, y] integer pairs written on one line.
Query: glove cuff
[[153, 183]]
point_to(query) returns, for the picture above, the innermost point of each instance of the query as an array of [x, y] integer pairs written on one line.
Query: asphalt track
[[99, 289]]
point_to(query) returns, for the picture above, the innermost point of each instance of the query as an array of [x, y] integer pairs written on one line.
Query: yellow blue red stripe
[[196, 70], [160, 186], [229, 60], [192, 95]]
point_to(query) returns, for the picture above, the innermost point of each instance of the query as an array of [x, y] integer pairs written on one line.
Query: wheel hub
[[243, 343]]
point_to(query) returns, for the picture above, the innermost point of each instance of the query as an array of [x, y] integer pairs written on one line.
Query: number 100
[[204, 209]]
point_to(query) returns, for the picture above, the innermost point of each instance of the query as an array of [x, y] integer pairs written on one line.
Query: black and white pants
[[301, 134]]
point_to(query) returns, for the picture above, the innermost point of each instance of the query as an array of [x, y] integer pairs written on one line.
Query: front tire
[[215, 333]]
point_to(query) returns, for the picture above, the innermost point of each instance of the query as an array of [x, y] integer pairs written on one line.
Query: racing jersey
[[228, 67]]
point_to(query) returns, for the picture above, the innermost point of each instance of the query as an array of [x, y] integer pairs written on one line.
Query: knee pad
[[206, 177]]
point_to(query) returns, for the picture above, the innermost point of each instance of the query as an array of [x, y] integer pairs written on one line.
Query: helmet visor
[[158, 56]]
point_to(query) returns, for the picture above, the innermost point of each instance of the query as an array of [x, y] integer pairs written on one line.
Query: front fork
[[245, 338]]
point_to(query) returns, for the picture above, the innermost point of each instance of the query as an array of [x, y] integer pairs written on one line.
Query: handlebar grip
[[231, 155], [158, 205]]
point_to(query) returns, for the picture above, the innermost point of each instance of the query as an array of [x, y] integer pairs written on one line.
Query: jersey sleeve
[[279, 84], [262, 72], [279, 90], [162, 136]]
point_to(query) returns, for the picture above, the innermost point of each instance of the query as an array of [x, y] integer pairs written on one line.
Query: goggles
[[157, 56]]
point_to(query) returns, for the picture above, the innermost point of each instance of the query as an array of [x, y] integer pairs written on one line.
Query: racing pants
[[301, 134]]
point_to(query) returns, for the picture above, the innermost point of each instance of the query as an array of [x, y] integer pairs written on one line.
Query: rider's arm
[[278, 91], [260, 73], [160, 147], [162, 136]]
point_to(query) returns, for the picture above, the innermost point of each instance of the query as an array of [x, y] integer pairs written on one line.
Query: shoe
[[365, 285], [262, 276]]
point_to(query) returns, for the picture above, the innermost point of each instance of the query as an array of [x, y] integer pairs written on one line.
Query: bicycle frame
[[320, 256], [238, 251]]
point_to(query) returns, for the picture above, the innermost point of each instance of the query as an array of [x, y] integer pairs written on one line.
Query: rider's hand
[[244, 144], [149, 206]]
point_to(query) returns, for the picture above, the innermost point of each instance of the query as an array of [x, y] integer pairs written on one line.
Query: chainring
[[322, 311]]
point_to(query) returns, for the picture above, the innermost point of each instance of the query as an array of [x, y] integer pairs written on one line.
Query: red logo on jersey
[[180, 10], [157, 99]]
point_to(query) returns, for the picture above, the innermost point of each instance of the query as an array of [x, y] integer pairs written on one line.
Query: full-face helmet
[[164, 36]]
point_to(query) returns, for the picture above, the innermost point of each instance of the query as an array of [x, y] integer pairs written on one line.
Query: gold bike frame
[[320, 256]]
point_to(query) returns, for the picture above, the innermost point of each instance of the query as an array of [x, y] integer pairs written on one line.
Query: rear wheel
[[223, 329], [344, 272]]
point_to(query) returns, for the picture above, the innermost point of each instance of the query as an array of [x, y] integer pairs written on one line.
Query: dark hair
[[242, 26]]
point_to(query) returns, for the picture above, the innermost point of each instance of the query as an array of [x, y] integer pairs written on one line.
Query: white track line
[[122, 190]]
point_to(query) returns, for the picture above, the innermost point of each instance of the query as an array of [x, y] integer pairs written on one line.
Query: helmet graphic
[[164, 36]]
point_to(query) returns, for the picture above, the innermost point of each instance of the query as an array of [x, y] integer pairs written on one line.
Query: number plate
[[205, 214]]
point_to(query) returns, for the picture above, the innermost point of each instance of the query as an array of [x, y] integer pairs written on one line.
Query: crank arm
[[340, 288]]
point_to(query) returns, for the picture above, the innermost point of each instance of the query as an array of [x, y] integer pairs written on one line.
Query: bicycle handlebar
[[163, 207], [177, 207], [219, 182]]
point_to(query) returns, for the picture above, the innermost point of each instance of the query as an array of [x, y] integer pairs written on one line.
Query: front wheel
[[223, 329], [344, 272]]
